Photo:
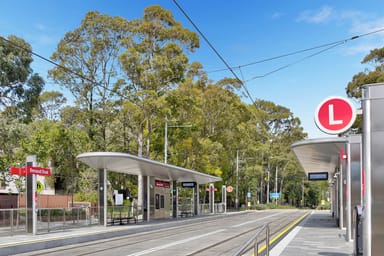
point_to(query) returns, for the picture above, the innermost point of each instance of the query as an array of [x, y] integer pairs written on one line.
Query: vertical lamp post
[[237, 180], [166, 137], [268, 183], [276, 172]]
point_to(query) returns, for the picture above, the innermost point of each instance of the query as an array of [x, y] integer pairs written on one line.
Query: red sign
[[38, 171], [17, 171], [229, 189], [335, 115], [162, 184], [30, 170]]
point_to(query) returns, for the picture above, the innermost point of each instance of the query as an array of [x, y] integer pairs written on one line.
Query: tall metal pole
[[302, 194], [268, 184], [166, 137], [276, 171], [237, 179], [165, 141]]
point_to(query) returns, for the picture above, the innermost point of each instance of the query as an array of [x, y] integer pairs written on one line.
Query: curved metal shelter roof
[[319, 155], [130, 164]]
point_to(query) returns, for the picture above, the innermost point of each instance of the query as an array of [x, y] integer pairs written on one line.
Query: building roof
[[130, 164], [319, 155]]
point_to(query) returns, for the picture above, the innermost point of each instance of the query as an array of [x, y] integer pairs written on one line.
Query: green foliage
[[127, 79], [16, 57], [19, 87], [85, 197], [369, 76]]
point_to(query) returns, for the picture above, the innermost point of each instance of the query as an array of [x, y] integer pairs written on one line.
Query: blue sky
[[243, 32]]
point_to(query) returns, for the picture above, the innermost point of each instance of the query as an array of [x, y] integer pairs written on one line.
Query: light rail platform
[[318, 234]]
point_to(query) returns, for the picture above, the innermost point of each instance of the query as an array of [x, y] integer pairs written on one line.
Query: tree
[[51, 103], [12, 132], [369, 76], [57, 146], [89, 56], [376, 59], [19, 87], [153, 62], [16, 58]]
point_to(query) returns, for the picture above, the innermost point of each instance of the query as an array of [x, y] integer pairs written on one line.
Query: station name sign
[[190, 184], [162, 184], [318, 176], [22, 171]]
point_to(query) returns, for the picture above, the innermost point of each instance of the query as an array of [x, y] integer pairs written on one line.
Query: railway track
[[214, 236]]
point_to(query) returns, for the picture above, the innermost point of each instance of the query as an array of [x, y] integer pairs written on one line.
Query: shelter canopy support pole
[[102, 196]]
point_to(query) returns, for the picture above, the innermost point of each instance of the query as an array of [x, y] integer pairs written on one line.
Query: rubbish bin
[[359, 230]]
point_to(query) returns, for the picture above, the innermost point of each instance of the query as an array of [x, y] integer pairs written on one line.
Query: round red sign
[[335, 115], [229, 189]]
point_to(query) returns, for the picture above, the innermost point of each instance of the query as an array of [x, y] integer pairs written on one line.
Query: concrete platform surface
[[318, 234]]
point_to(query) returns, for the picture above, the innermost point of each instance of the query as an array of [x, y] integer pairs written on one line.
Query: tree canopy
[[127, 79]]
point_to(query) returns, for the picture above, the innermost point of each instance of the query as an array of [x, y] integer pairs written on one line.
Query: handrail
[[255, 239]]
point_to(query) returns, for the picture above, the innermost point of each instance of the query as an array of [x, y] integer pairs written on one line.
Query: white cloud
[[319, 16], [40, 27], [363, 49], [363, 26], [277, 15], [371, 34]]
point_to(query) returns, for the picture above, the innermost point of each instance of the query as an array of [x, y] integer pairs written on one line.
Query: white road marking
[[256, 220], [175, 243]]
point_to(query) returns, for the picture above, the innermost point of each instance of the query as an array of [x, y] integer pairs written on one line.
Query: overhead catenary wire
[[293, 63], [215, 51], [48, 60], [328, 45], [242, 82]]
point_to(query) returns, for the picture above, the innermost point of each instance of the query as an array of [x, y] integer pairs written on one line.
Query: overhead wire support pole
[[166, 126], [237, 180]]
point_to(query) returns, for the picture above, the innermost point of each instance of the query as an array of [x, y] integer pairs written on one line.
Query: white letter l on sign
[[332, 120]]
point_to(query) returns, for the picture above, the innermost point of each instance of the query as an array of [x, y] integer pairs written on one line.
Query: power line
[[329, 45], [294, 63], [48, 60], [216, 52]]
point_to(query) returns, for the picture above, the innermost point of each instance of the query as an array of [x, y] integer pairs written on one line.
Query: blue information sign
[[273, 195]]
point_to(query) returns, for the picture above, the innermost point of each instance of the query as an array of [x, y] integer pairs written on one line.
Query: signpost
[[33, 188], [22, 171], [335, 115]]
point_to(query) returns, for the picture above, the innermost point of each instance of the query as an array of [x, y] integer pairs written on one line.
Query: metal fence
[[50, 219], [218, 208], [14, 221], [124, 214], [263, 235]]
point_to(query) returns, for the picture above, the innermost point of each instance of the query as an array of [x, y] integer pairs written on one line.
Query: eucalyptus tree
[[88, 67], [19, 86], [51, 103], [375, 74], [153, 63], [270, 131], [12, 133], [19, 92], [15, 61]]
